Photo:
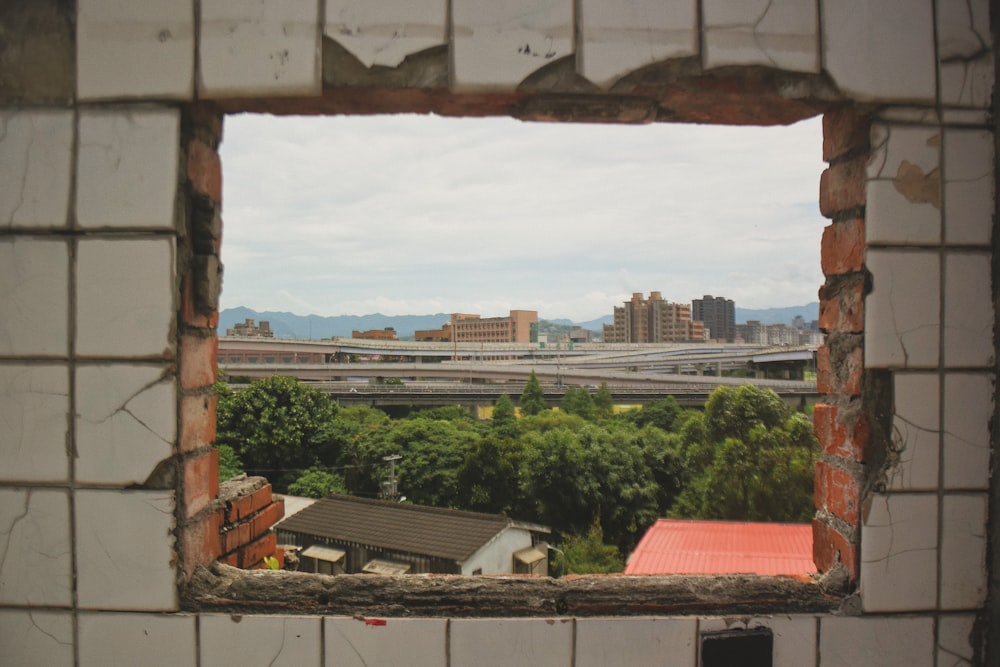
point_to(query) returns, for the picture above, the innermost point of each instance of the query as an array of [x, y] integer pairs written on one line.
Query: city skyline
[[408, 215]]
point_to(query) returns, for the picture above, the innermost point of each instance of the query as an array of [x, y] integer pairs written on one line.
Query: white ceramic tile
[[963, 551], [259, 47], [899, 150], [893, 217], [420, 642], [496, 45], [968, 410], [35, 161], [968, 310], [794, 636], [955, 117], [968, 83], [34, 422], [635, 641], [955, 643], [126, 422], [125, 297], [151, 640], [894, 641], [34, 296], [902, 312], [968, 183], [963, 28], [905, 114], [783, 34], [880, 49], [36, 637], [619, 36], [265, 640], [916, 427], [127, 168], [386, 32], [35, 545], [501, 642], [899, 553], [135, 49], [125, 550]]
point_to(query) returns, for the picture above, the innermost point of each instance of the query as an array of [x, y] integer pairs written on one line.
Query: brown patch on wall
[[37, 51], [918, 187]]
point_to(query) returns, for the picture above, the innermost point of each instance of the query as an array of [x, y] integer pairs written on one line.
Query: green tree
[[504, 422], [588, 554], [661, 414], [604, 402], [559, 482], [229, 463], [317, 483], [532, 396], [276, 426], [489, 479], [578, 401]]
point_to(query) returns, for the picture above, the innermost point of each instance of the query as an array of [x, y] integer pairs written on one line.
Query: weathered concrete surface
[[37, 51], [226, 589]]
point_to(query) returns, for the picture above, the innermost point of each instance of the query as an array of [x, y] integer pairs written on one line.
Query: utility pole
[[390, 489]]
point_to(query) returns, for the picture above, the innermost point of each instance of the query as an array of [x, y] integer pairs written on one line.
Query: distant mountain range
[[290, 325]]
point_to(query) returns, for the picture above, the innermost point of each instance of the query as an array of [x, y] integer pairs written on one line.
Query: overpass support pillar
[[699, 369], [718, 369]]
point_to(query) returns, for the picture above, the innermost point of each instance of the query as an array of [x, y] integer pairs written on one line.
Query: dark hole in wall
[[737, 648]]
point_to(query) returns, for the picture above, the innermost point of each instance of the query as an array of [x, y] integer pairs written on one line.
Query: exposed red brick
[[197, 421], [189, 315], [267, 517], [845, 378], [844, 130], [250, 555], [837, 491], [853, 367], [199, 360], [246, 505], [201, 543], [824, 371], [842, 306], [205, 170], [830, 547], [842, 249], [842, 186], [233, 559], [201, 481], [848, 441]]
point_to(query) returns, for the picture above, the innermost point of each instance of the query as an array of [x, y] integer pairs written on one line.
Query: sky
[[417, 215]]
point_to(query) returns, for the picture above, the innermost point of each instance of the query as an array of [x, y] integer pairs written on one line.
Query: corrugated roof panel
[[678, 546]]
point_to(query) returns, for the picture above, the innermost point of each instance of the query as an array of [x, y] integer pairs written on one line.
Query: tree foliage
[[578, 401], [532, 396], [588, 554], [317, 483]]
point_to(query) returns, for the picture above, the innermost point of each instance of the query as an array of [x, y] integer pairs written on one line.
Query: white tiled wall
[[90, 204]]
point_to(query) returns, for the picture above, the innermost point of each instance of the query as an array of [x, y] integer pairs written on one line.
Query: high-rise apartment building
[[653, 320], [719, 315]]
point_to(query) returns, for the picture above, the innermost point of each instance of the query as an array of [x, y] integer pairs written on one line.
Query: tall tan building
[[516, 328], [653, 320]]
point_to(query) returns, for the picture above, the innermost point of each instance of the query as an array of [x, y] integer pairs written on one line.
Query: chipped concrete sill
[[221, 588]]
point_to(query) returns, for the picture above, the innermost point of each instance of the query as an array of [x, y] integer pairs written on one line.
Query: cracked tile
[[135, 49], [968, 411], [34, 297], [367, 32], [955, 647], [127, 167], [916, 427], [36, 637], [35, 163], [35, 566], [126, 569], [888, 641], [877, 49], [420, 642], [125, 297], [500, 642], [259, 47], [902, 313], [794, 636], [634, 641], [963, 28], [899, 553], [618, 36], [891, 216], [968, 83], [248, 640], [34, 422], [968, 186], [783, 34], [963, 551], [126, 422], [137, 639], [968, 310], [496, 45], [898, 149]]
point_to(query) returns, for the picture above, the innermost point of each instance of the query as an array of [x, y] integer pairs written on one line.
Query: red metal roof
[[678, 546]]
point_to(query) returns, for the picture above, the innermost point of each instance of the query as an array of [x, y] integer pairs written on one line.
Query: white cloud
[[415, 215]]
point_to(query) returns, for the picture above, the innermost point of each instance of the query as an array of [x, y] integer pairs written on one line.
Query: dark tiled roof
[[429, 531]]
